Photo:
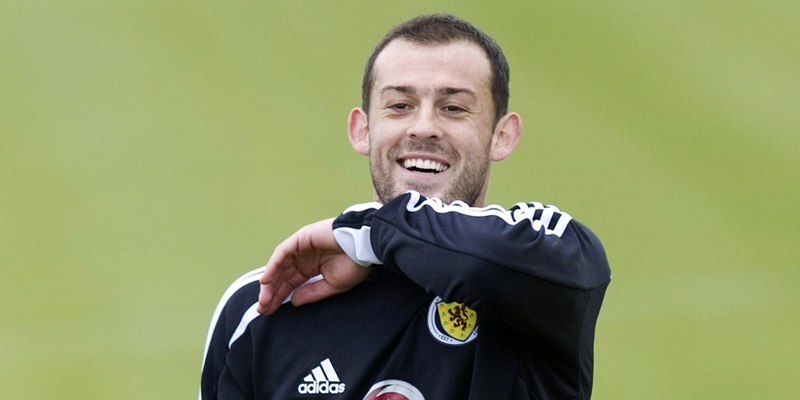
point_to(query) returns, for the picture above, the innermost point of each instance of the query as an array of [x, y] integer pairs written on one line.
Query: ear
[[358, 131], [506, 136]]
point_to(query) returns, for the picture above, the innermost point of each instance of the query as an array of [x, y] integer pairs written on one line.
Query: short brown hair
[[443, 29]]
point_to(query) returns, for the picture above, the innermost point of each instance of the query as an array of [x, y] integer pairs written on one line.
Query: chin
[[428, 193]]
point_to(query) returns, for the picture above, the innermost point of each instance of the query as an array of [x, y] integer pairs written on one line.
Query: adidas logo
[[322, 380]]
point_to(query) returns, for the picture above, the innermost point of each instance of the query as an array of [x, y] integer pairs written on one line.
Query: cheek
[[377, 148], [380, 142], [473, 146]]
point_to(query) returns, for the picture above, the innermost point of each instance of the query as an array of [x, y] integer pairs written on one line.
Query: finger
[[313, 292], [270, 283], [273, 267], [271, 297], [265, 296]]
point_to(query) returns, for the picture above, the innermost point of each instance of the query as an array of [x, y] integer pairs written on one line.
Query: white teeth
[[425, 165]]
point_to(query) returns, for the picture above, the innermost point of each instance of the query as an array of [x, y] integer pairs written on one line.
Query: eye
[[399, 106], [454, 109]]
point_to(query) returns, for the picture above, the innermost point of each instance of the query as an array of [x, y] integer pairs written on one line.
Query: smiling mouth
[[423, 166]]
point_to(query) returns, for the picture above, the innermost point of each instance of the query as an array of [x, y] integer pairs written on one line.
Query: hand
[[308, 252]]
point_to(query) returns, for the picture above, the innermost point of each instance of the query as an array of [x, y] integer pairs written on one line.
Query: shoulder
[[232, 309], [233, 306], [240, 295]]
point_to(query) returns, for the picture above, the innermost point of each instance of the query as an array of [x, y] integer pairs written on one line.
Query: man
[[424, 293]]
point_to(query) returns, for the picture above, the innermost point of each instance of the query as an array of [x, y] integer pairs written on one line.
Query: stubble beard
[[466, 187]]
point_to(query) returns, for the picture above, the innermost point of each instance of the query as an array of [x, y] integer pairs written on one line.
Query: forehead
[[459, 64]]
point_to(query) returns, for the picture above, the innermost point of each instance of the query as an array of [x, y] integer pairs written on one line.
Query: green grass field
[[150, 152]]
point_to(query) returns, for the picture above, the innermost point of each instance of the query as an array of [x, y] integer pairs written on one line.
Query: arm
[[498, 262]]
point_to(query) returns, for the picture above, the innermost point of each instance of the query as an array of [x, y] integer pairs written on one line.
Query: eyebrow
[[401, 89], [451, 91], [447, 91]]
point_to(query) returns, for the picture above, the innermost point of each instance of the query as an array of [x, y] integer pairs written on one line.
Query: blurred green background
[[151, 152]]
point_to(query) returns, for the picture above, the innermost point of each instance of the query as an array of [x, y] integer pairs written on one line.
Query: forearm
[[487, 258]]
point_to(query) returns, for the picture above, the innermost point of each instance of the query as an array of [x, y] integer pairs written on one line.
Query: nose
[[425, 124]]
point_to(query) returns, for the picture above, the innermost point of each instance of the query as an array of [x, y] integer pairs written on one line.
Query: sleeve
[[496, 261], [234, 311]]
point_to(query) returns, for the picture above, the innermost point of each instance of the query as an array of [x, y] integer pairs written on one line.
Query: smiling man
[[424, 293], [432, 125]]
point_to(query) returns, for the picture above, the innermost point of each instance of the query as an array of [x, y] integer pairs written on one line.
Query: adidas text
[[321, 388]]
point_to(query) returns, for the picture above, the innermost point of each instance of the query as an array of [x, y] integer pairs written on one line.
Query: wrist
[[352, 233]]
